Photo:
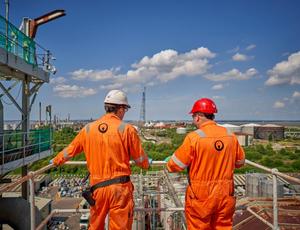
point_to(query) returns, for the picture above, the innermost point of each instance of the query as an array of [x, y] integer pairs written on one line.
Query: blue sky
[[243, 54]]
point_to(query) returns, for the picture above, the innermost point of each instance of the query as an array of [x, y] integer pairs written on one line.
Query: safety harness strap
[[117, 180]]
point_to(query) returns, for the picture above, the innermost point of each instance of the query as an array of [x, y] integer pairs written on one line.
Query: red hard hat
[[204, 105]]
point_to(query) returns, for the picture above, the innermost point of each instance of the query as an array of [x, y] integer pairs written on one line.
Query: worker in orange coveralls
[[108, 144], [211, 153]]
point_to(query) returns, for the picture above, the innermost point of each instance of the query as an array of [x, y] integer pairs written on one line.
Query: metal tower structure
[[22, 62], [143, 109]]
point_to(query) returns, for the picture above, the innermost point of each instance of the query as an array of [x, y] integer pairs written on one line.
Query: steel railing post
[[31, 201], [275, 204], [24, 148], [2, 153], [39, 143]]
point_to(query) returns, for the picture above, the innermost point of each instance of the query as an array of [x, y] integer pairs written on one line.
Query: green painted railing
[[16, 42], [17, 144]]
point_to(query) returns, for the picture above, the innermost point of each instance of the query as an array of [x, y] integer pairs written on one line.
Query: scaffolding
[[26, 63]]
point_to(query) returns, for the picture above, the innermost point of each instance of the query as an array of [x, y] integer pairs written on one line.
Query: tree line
[[285, 160]]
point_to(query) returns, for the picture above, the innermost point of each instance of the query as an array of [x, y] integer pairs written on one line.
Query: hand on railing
[[167, 159]]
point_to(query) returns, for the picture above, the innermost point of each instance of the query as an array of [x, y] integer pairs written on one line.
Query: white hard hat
[[117, 97]]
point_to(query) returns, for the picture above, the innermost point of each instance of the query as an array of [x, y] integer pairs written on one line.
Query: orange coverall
[[211, 154], [108, 144]]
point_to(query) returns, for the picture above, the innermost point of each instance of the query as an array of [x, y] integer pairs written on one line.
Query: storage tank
[[244, 139], [249, 128], [267, 189], [253, 184], [232, 128], [269, 132], [7, 126], [181, 130]]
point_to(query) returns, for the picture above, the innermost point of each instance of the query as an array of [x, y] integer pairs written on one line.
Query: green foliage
[[271, 162], [161, 151], [296, 165], [283, 160]]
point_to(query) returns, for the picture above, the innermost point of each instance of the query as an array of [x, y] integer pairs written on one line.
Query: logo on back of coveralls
[[102, 127], [219, 145]]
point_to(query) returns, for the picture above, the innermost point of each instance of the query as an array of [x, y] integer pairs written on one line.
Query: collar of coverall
[[206, 123], [111, 115]]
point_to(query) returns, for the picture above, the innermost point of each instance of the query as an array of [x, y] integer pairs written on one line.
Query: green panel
[[15, 41], [38, 140]]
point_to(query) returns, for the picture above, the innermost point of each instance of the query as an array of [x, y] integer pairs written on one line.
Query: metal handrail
[[30, 176], [273, 171]]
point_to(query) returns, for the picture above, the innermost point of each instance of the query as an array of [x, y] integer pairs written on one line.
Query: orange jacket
[[211, 153], [108, 144]]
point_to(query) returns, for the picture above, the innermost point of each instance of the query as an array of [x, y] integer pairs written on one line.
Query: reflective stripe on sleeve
[[229, 132], [122, 127], [66, 155], [178, 162], [140, 159], [200, 133]]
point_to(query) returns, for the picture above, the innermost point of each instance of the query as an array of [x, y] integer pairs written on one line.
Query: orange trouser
[[211, 211], [117, 200]]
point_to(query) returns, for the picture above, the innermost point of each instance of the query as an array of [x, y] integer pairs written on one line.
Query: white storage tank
[[181, 130], [232, 128], [244, 139], [7, 126], [249, 128]]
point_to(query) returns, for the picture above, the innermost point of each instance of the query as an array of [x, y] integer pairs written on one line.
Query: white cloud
[[250, 47], [217, 87], [233, 74], [57, 80], [162, 67], [240, 57], [285, 72], [94, 75], [73, 91], [278, 105], [168, 65], [296, 95]]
